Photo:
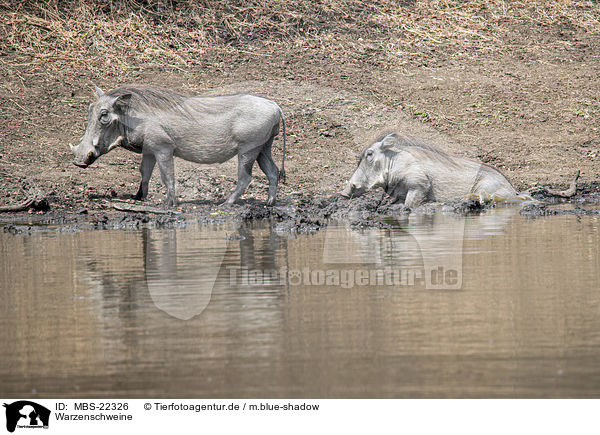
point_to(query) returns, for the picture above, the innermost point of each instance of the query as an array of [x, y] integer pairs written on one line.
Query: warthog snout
[[347, 192], [82, 159], [352, 190]]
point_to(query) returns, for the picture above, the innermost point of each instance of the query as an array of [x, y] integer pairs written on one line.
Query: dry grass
[[109, 34]]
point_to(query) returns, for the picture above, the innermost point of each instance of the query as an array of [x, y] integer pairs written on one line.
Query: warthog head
[[372, 171], [104, 128]]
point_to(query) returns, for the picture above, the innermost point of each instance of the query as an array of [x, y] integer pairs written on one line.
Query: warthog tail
[[282, 171]]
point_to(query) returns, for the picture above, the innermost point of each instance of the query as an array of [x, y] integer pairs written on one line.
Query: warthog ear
[[121, 103], [390, 143], [99, 91]]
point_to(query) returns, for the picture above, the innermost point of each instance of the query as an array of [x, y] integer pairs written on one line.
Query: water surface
[[495, 305]]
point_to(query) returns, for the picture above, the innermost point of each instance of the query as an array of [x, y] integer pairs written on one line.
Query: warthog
[[161, 124], [413, 172]]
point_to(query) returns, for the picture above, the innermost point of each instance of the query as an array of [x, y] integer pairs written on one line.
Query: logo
[[26, 414]]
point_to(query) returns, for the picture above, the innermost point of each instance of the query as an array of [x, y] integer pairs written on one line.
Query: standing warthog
[[161, 124], [414, 172]]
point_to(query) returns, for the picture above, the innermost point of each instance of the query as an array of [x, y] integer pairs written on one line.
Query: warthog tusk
[[116, 143]]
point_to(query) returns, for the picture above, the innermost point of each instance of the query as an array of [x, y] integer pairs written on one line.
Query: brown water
[[495, 305]]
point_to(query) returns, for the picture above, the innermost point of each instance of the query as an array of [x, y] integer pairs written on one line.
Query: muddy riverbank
[[296, 214]]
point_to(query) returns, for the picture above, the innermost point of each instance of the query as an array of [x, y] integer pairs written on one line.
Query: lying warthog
[[414, 172], [161, 124]]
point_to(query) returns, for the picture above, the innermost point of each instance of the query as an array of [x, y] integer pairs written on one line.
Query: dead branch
[[567, 193], [17, 207], [141, 208], [34, 201]]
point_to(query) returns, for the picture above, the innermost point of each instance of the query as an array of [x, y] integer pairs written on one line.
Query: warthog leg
[[414, 198], [268, 166], [146, 168], [245, 162], [167, 175]]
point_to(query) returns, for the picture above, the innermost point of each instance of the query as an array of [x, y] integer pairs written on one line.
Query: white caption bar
[[267, 416]]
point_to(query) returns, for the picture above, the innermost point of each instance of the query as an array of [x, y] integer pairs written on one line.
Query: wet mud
[[294, 214]]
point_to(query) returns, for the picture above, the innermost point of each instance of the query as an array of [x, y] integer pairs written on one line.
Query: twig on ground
[[567, 193], [141, 208], [34, 201]]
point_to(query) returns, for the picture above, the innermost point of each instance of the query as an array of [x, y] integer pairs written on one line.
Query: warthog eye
[[369, 155], [104, 118]]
